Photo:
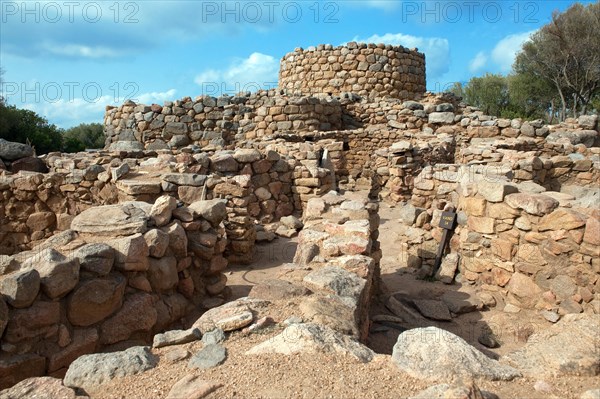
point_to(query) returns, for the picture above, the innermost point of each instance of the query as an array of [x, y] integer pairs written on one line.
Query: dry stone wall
[[218, 122], [527, 247], [370, 70], [122, 273], [339, 244]]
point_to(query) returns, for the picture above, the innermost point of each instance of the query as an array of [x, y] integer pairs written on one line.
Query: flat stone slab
[[432, 309], [336, 280], [113, 220], [435, 354], [568, 348], [192, 387], [176, 337], [40, 388], [96, 369], [308, 337], [136, 187], [208, 357]]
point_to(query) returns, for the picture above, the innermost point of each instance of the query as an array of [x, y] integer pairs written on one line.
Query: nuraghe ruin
[[120, 245]]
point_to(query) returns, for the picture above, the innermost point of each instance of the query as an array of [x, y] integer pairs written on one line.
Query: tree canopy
[[556, 73]]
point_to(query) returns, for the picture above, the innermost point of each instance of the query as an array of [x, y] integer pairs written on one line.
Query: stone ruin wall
[[339, 245], [121, 274], [260, 187], [263, 154], [218, 122], [524, 246], [369, 70]]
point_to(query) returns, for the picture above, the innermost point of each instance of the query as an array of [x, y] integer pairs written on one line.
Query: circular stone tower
[[372, 70]]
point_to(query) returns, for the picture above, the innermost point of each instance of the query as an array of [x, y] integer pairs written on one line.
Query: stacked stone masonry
[[369, 70], [120, 274], [526, 195]]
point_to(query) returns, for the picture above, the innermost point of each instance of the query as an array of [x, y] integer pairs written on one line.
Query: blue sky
[[68, 59]]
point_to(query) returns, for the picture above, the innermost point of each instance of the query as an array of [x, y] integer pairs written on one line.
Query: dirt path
[[334, 376]]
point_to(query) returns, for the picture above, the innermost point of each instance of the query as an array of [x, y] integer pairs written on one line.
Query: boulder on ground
[[435, 354], [303, 338], [568, 348], [96, 369]]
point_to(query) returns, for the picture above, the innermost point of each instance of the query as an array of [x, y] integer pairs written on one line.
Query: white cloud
[[258, 71], [77, 50], [506, 49], [68, 113], [478, 62], [155, 97], [436, 49]]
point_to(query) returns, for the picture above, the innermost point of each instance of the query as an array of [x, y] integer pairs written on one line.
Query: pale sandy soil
[[336, 376]]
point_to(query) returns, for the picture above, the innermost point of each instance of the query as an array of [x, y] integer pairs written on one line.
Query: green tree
[[530, 97], [489, 93], [84, 136], [23, 125], [566, 53]]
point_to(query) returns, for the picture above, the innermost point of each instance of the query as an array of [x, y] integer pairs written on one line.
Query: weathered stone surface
[[192, 387], [291, 222], [131, 253], [433, 309], [231, 316], [588, 121], [30, 322], [93, 370], [336, 280], [484, 225], [460, 302], [567, 348], [3, 316], [113, 220], [19, 367], [307, 337], [137, 314], [459, 389], [176, 337], [592, 231], [96, 258], [40, 388], [178, 241], [20, 288], [448, 268], [10, 151], [162, 273], [208, 357], [94, 300], [162, 210], [215, 211], [215, 336], [223, 162], [84, 342], [137, 187], [30, 164], [335, 312], [119, 171], [441, 117], [534, 204], [591, 394], [495, 191], [274, 289], [562, 219], [523, 287], [58, 275], [246, 155], [39, 221], [435, 354], [185, 179]]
